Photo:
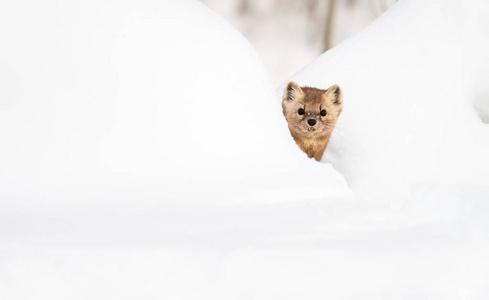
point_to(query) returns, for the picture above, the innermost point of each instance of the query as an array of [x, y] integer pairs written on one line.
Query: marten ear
[[292, 91], [334, 93]]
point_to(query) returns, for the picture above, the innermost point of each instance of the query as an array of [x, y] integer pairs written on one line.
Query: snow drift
[[118, 100], [415, 98]]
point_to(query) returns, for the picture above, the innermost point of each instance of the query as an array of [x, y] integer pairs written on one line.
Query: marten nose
[[311, 122]]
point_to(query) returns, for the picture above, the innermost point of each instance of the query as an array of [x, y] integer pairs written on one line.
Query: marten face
[[311, 112]]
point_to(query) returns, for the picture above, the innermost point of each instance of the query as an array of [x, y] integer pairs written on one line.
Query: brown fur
[[311, 139]]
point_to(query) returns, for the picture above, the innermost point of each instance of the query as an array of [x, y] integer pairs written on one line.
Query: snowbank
[[152, 101], [415, 96]]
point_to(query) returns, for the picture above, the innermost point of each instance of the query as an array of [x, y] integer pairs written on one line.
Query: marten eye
[[323, 112], [301, 111]]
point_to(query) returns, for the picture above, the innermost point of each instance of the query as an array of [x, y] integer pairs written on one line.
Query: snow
[[109, 101], [144, 155], [312, 249], [412, 80]]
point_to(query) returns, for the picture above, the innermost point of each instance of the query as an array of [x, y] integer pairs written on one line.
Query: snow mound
[[414, 83], [149, 100]]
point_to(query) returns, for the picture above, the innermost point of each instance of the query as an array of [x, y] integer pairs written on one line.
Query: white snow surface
[[161, 100], [144, 155], [415, 99]]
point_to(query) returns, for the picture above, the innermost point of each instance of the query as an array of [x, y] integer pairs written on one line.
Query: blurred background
[[288, 34]]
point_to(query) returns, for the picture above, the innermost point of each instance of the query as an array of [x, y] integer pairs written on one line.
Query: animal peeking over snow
[[311, 114]]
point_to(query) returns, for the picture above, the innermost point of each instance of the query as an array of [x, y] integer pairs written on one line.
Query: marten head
[[310, 112]]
